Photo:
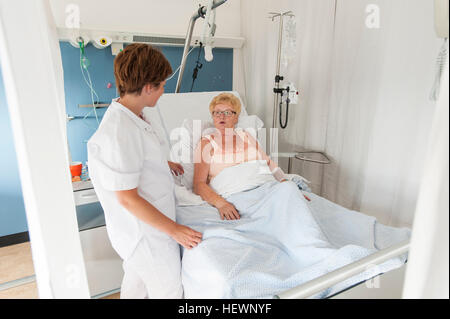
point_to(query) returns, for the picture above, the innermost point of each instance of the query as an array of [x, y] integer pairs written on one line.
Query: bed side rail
[[323, 282]]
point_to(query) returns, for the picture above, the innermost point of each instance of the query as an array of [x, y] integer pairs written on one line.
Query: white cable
[[92, 98], [92, 91], [173, 74], [88, 82]]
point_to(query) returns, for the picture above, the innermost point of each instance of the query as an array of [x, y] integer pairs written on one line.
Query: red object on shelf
[[75, 169]]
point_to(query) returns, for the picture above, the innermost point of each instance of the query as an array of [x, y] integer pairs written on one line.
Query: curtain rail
[[323, 282]]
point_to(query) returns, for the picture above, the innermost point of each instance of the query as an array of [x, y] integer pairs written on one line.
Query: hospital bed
[[389, 243]]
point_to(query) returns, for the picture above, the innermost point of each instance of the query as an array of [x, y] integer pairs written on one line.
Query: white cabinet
[[103, 265]]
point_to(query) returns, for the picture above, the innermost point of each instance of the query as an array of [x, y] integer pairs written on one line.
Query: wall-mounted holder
[[75, 41], [116, 48], [101, 42], [96, 105], [79, 117]]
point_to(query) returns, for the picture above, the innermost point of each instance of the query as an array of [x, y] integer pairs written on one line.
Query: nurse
[[133, 180]]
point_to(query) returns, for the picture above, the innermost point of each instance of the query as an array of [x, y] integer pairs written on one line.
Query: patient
[[228, 146]]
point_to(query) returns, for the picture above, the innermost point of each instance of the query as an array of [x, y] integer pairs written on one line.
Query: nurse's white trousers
[[153, 271]]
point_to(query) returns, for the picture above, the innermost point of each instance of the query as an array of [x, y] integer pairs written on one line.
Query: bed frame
[[381, 286], [364, 291]]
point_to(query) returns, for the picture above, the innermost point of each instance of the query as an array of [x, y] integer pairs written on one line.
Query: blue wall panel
[[12, 209]]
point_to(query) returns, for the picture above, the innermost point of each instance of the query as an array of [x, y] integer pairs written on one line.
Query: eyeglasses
[[226, 113]]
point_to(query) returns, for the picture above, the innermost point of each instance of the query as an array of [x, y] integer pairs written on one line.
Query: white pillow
[[188, 136], [184, 141], [251, 124]]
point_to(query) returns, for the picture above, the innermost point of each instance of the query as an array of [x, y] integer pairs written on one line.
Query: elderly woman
[[226, 147]]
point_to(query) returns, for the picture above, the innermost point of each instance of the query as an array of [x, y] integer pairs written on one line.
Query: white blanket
[[241, 177], [231, 180], [278, 243]]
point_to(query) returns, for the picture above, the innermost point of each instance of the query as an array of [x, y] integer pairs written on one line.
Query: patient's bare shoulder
[[205, 142], [205, 146]]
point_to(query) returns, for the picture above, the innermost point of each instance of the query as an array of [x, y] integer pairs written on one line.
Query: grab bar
[[323, 282]]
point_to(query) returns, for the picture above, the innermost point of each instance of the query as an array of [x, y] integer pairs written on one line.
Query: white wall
[[49, 201], [403, 117], [363, 94], [148, 16], [427, 274]]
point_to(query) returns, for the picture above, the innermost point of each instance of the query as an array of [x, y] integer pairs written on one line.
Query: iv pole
[[278, 77], [200, 13]]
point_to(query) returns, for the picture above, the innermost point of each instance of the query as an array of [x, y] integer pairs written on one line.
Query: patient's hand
[[176, 168], [227, 210]]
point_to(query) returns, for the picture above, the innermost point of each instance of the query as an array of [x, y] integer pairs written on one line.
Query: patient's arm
[[201, 188], [277, 172]]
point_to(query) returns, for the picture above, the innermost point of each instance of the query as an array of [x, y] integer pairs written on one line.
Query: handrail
[[323, 282]]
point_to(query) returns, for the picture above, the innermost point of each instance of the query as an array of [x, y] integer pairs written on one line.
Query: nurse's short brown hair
[[226, 98], [137, 65]]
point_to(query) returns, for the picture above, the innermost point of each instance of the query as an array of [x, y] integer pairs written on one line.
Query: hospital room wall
[[168, 17], [363, 95], [217, 75], [213, 76]]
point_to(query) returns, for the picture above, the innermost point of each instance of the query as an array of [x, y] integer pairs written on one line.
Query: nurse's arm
[[146, 212]]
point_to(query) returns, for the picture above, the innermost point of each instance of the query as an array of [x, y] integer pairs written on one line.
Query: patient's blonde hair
[[226, 98]]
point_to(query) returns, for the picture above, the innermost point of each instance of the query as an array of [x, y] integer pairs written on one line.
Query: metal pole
[[200, 13], [187, 45], [277, 84]]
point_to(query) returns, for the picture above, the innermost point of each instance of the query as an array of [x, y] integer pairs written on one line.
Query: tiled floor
[[15, 263]]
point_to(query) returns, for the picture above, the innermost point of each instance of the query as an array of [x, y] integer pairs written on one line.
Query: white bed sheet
[[342, 227]]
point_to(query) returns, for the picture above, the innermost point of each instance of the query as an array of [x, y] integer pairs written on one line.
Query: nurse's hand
[[227, 210], [176, 168], [185, 236]]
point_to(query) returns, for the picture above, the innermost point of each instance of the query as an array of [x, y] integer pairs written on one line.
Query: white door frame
[[32, 72]]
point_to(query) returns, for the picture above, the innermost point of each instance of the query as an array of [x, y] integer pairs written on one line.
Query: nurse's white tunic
[[126, 153]]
